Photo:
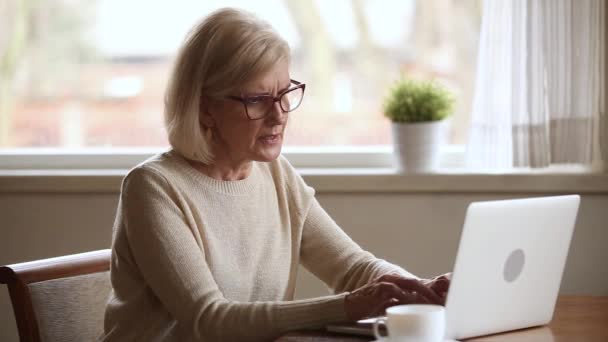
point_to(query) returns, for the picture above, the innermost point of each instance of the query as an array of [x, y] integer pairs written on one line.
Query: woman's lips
[[271, 139]]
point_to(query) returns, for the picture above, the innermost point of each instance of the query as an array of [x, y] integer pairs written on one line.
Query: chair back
[[60, 299]]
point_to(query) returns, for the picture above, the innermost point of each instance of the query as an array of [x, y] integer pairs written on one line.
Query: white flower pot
[[417, 145]]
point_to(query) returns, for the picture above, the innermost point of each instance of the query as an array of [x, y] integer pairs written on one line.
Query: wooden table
[[577, 318]]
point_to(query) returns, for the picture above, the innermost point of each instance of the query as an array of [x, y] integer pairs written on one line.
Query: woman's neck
[[222, 170]]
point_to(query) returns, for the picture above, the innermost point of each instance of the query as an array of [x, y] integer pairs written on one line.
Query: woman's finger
[[439, 285], [381, 310], [417, 298], [409, 285], [390, 290]]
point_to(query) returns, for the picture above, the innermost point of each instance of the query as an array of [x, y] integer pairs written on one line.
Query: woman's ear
[[205, 117]]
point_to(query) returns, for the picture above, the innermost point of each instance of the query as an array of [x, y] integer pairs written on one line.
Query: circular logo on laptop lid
[[514, 265]]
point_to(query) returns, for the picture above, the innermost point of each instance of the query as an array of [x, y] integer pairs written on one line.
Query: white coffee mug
[[409, 323]]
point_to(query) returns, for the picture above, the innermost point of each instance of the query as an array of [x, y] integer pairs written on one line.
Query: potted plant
[[418, 110]]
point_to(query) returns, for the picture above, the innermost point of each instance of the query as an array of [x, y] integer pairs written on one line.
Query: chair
[[60, 299]]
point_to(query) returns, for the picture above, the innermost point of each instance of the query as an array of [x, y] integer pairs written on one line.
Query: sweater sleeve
[[173, 265], [335, 258]]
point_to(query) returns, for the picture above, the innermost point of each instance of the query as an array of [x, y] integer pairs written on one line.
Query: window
[[91, 74]]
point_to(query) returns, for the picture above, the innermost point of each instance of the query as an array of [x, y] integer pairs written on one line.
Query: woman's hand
[[388, 290], [440, 285]]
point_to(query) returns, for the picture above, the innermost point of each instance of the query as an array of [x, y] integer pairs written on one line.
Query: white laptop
[[508, 269]]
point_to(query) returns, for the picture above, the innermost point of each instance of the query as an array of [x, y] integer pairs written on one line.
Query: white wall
[[419, 231]]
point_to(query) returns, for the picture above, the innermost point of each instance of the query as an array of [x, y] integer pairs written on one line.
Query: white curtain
[[539, 86]]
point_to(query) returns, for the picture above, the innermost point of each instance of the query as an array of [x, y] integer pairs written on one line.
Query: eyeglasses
[[259, 106]]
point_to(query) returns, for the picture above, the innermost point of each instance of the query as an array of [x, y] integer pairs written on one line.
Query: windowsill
[[335, 180]]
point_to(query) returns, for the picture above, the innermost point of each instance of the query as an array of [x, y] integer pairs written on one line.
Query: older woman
[[209, 236]]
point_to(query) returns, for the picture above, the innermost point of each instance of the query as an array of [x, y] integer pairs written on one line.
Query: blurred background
[[79, 74]]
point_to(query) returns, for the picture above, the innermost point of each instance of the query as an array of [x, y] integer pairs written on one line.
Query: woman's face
[[237, 139]]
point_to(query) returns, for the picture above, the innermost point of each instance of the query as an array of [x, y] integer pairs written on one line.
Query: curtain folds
[[539, 86]]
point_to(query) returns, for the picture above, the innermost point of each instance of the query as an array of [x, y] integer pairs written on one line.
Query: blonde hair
[[226, 50]]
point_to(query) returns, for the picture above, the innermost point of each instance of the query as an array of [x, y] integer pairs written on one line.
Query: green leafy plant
[[417, 101]]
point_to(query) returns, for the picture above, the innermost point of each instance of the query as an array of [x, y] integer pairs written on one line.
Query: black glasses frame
[[245, 100]]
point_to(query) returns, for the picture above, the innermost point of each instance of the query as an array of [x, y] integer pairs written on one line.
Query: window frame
[[325, 157]]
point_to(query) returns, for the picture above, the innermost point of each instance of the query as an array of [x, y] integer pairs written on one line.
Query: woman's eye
[[255, 100]]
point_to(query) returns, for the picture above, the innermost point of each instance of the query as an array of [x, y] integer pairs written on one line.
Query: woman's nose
[[277, 114]]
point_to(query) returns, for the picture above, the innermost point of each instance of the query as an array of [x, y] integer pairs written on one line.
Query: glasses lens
[[292, 99], [257, 107]]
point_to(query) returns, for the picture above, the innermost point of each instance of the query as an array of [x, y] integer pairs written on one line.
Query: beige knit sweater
[[198, 259]]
